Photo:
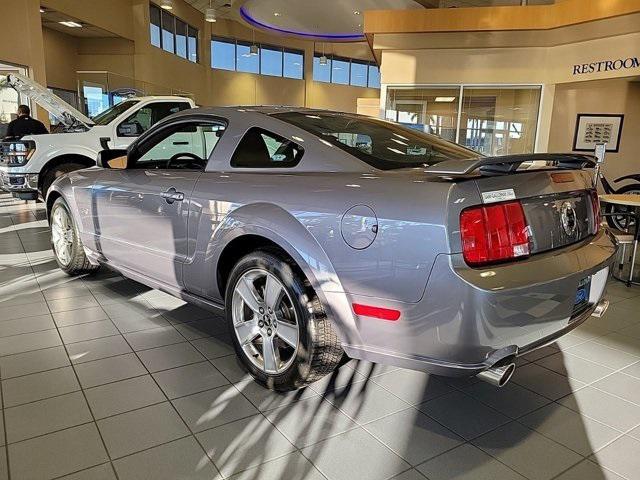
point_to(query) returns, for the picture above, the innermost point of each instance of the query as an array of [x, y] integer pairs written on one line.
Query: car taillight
[[595, 207], [494, 233]]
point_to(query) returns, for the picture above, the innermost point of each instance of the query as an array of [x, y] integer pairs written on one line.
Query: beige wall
[[602, 96], [61, 59]]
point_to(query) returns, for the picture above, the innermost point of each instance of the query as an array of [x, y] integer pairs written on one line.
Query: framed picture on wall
[[592, 129]]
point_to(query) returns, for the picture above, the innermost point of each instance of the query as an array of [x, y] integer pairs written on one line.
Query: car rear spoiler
[[509, 163]]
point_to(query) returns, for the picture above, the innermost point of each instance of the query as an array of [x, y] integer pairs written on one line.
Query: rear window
[[383, 145]]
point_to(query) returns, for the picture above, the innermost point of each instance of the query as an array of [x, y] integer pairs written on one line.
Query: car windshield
[[383, 145], [107, 116]]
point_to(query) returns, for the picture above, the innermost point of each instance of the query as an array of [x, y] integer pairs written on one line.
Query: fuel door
[[359, 227]]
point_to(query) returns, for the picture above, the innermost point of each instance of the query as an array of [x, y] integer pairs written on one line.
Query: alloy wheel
[[62, 235], [265, 321]]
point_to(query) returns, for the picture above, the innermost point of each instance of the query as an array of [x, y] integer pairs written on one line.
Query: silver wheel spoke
[[247, 331], [270, 355], [272, 292], [288, 333], [248, 293]]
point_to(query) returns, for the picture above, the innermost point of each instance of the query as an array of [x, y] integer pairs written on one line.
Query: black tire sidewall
[[296, 373]]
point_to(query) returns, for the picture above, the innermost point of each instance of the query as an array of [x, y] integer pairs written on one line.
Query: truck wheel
[[66, 242], [57, 171], [279, 329]]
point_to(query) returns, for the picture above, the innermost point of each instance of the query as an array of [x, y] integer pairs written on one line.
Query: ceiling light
[[42, 10], [323, 60], [210, 15], [71, 24], [356, 12], [254, 49], [445, 99], [166, 4], [276, 14]]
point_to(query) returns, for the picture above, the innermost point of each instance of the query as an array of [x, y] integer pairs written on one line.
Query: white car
[[29, 166]]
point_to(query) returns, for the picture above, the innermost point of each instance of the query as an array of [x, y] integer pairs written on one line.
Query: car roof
[[266, 110]]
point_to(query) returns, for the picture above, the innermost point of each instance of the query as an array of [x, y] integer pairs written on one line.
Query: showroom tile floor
[[102, 378]]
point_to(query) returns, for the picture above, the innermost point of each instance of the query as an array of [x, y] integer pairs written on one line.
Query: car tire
[[66, 243], [50, 176], [318, 350]]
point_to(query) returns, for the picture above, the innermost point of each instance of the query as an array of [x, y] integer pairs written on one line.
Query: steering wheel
[[190, 155]]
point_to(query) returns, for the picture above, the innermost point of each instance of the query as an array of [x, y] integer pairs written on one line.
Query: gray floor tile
[[141, 429], [569, 428], [545, 382], [180, 459], [46, 416], [243, 444], [21, 299], [409, 475], [132, 309], [123, 396], [467, 462], [37, 386], [366, 401], [621, 457], [70, 290], [341, 378], [155, 337], [411, 386], [73, 303], [29, 341], [59, 453], [575, 367], [101, 472], [603, 355], [413, 436], [131, 323], [604, 408], [108, 370], [33, 362], [463, 414], [26, 325], [170, 356], [214, 347], [22, 311], [366, 457], [189, 379], [88, 331], [310, 421], [621, 385], [213, 408], [621, 341], [201, 328], [76, 317], [523, 449], [633, 370], [588, 470], [290, 467], [539, 353], [231, 368], [511, 400], [187, 313], [97, 349]]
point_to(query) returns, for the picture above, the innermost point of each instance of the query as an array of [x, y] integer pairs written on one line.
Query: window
[[223, 54], [271, 61], [262, 149], [346, 71], [383, 145], [172, 34], [235, 55], [107, 116], [140, 121], [186, 146]]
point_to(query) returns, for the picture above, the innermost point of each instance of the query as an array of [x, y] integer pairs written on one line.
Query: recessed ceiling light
[[276, 14], [356, 12], [71, 24], [445, 99], [166, 4], [42, 10]]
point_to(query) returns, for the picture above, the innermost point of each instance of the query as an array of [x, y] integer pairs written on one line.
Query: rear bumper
[[466, 315]]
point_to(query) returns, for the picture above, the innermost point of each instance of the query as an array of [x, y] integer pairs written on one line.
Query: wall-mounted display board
[[592, 129]]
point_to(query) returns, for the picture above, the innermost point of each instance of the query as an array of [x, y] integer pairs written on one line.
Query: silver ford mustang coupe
[[323, 233]]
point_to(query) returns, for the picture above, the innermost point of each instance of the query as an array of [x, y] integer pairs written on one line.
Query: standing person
[[25, 125]]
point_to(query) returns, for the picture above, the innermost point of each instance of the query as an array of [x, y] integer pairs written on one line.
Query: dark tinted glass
[[383, 145], [181, 38], [154, 25], [193, 44], [168, 28], [262, 149]]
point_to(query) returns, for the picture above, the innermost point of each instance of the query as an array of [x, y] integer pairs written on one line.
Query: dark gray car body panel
[[453, 316]]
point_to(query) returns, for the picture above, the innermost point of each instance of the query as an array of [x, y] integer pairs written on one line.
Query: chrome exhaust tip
[[498, 376], [600, 309]]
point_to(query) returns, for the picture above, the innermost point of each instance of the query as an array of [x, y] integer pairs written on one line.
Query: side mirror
[[133, 129], [112, 159]]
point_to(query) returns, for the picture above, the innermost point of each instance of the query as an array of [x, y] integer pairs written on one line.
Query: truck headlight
[[17, 153]]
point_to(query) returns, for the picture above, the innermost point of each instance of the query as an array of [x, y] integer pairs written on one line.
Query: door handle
[[172, 195]]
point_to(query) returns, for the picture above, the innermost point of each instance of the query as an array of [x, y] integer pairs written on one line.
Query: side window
[[187, 146], [262, 149], [141, 120]]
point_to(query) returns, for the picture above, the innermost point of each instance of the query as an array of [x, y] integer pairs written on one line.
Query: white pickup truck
[[28, 166]]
